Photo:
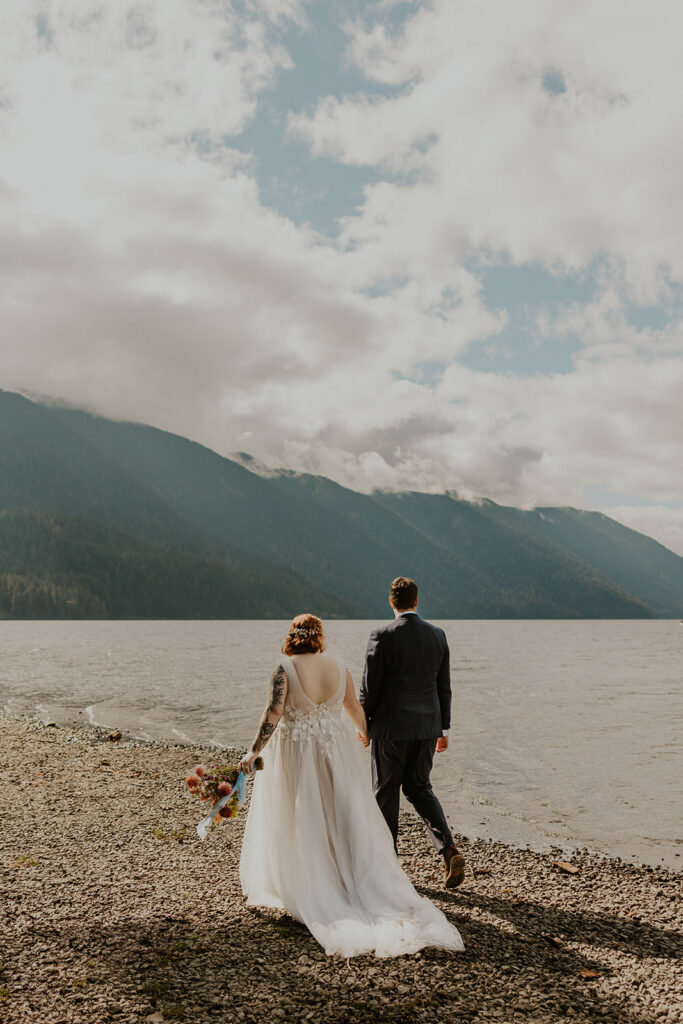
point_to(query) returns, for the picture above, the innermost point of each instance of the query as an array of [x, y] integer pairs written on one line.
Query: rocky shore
[[113, 910]]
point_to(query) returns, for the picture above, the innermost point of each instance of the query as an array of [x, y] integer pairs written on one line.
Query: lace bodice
[[303, 719]]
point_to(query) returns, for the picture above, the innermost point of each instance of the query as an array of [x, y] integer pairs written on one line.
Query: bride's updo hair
[[305, 636]]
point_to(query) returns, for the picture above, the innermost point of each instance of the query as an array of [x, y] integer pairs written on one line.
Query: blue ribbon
[[239, 789]]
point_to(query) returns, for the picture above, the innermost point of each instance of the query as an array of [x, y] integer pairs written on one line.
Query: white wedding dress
[[316, 843]]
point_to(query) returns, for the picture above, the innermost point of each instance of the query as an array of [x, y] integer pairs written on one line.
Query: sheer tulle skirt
[[317, 846]]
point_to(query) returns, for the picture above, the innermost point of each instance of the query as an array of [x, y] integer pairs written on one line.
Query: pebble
[[113, 910]]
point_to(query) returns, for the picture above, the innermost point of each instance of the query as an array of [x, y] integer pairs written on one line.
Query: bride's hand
[[364, 738], [246, 765]]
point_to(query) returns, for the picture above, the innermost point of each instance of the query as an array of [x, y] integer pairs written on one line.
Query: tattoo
[[278, 682], [263, 735], [278, 685]]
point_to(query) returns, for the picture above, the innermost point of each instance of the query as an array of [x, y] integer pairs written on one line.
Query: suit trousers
[[407, 764]]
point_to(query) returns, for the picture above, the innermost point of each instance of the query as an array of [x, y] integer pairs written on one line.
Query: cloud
[[144, 276], [502, 162]]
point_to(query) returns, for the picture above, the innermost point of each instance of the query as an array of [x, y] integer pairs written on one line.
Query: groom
[[406, 696]]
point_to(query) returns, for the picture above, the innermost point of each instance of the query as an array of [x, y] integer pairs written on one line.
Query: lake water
[[565, 733]]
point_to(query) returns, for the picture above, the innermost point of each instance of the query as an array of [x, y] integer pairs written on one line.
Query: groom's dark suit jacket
[[406, 689]]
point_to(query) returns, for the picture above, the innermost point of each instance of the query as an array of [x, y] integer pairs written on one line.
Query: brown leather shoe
[[455, 867]]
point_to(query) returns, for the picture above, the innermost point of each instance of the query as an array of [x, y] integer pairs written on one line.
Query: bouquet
[[222, 785]]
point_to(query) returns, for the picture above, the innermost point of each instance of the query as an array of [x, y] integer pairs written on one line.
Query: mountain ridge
[[472, 559]]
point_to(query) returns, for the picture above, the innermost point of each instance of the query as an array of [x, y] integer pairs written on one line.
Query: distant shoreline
[[106, 886], [359, 618]]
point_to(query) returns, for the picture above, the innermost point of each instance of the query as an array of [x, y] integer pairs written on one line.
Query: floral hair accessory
[[304, 632]]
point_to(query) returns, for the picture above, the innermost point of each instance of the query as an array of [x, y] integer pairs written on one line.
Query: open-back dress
[[316, 844]]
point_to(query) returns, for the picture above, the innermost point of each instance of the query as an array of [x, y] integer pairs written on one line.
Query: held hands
[[364, 738], [441, 744], [246, 765]]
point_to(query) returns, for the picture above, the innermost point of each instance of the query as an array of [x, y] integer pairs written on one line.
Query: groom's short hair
[[403, 593]]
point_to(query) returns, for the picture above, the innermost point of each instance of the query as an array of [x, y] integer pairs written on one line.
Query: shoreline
[[535, 758], [114, 910], [530, 834]]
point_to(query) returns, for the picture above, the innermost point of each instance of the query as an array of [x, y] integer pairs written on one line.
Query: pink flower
[[192, 781], [200, 770], [224, 789], [226, 812]]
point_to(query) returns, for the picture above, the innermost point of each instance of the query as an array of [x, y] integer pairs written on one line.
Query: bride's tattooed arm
[[266, 730], [277, 692]]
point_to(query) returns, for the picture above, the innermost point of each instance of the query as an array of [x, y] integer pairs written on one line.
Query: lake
[[563, 733]]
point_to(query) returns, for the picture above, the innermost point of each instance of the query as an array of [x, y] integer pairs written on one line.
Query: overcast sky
[[426, 245]]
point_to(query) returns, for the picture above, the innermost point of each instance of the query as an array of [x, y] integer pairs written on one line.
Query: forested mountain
[[56, 566], [126, 520], [516, 548]]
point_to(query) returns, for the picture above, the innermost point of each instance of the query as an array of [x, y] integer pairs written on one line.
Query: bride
[[315, 843]]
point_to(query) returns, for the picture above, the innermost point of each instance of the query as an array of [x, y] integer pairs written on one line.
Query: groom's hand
[[441, 744]]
